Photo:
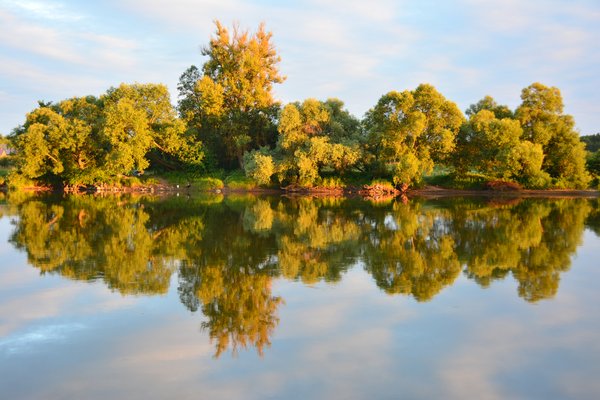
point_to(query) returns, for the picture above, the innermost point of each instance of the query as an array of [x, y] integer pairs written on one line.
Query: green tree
[[139, 119], [592, 142], [493, 146], [313, 136], [488, 103], [60, 143], [410, 131], [541, 116], [232, 104]]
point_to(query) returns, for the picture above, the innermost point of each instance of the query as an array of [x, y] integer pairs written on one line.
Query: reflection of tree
[[410, 251], [230, 279], [88, 238], [315, 242], [227, 251], [533, 240], [239, 307], [593, 219]]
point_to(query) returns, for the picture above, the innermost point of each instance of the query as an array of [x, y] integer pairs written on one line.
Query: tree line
[[227, 118]]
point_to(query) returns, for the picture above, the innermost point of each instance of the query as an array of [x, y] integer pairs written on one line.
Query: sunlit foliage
[[410, 131]]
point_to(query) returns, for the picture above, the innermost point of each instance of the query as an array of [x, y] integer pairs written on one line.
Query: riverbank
[[436, 191], [371, 192]]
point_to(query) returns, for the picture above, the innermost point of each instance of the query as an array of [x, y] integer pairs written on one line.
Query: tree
[[493, 146], [541, 116], [232, 102], [409, 131], [488, 103], [139, 118], [314, 135], [60, 142], [592, 142]]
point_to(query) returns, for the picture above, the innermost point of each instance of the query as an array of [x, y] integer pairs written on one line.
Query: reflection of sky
[[345, 340], [41, 336]]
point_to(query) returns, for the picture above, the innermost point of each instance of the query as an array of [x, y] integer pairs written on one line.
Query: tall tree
[[233, 100], [541, 116], [488, 103]]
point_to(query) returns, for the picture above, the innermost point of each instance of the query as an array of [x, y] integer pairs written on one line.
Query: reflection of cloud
[[495, 350], [511, 356], [32, 303], [41, 336]]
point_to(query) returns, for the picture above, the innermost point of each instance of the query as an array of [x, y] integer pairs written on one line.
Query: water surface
[[257, 297]]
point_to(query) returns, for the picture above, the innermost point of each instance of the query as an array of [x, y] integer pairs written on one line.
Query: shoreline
[[434, 192], [426, 192]]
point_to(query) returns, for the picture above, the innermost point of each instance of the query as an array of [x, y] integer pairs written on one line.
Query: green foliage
[[83, 141], [593, 163], [313, 136], [592, 142], [208, 183], [238, 181], [537, 147], [140, 118], [408, 132], [229, 119], [333, 182], [488, 103], [194, 180], [230, 106], [383, 183], [541, 116], [59, 141], [259, 166]]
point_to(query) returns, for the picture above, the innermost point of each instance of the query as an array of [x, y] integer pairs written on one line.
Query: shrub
[[208, 183], [259, 166], [332, 183]]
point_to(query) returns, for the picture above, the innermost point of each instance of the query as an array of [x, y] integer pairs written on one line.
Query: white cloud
[[70, 45], [45, 10]]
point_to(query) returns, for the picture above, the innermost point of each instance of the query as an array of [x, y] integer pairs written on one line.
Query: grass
[[237, 180], [469, 181], [196, 180]]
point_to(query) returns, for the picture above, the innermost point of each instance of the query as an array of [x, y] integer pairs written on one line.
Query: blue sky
[[355, 50]]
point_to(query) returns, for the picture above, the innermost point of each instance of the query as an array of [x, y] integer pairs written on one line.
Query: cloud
[[69, 45], [45, 10], [352, 49]]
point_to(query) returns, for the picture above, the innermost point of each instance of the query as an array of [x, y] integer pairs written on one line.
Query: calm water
[[250, 298]]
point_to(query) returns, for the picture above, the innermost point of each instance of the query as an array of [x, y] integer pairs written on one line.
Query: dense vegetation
[[227, 119]]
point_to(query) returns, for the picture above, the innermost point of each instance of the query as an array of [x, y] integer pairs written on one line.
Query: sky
[[355, 50]]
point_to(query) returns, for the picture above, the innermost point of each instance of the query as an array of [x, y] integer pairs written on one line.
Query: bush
[[332, 183], [383, 183], [17, 181], [538, 181], [208, 183], [259, 166], [130, 181], [238, 181]]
